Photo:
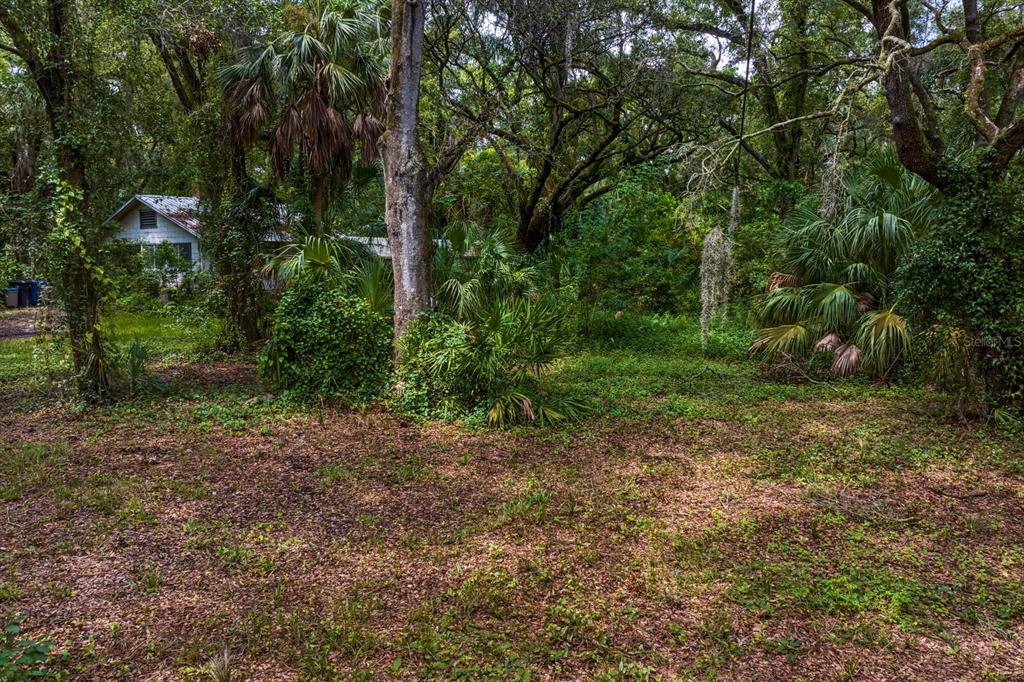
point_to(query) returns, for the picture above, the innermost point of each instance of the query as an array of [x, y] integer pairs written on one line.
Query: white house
[[151, 219]]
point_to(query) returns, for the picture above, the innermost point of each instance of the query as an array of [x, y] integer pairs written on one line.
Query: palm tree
[[834, 295], [318, 88]]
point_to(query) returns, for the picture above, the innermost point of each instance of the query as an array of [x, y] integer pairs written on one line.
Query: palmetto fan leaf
[[863, 276], [813, 248], [786, 339], [884, 338], [318, 257], [834, 305], [373, 280], [879, 238], [784, 305]]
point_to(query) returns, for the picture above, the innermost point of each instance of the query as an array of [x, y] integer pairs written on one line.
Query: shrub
[[488, 366], [326, 344], [129, 364], [625, 249], [10, 266], [501, 321], [966, 276], [834, 296]]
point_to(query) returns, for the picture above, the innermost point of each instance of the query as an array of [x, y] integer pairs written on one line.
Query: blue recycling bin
[[29, 291], [36, 292]]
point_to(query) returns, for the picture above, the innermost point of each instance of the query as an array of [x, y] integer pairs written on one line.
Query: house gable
[[166, 230]]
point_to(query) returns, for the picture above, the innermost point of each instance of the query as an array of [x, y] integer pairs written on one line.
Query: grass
[[29, 467], [703, 522]]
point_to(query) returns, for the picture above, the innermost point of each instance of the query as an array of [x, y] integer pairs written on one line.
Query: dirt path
[[17, 323]]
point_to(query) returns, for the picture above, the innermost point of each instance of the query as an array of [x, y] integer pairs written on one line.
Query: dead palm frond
[[827, 343], [846, 360], [778, 280]]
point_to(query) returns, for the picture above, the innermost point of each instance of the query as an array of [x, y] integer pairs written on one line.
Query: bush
[[135, 289], [965, 276], [327, 344], [833, 298], [10, 266], [486, 367]]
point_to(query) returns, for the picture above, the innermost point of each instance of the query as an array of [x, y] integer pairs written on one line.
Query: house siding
[[166, 231]]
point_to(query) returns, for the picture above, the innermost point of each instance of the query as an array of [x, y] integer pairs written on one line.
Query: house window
[[147, 219], [184, 250], [159, 255]]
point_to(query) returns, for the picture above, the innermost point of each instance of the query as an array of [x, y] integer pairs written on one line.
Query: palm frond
[[315, 256], [880, 238], [885, 339], [828, 343], [846, 360], [781, 279], [373, 280], [784, 305], [835, 305], [785, 339]]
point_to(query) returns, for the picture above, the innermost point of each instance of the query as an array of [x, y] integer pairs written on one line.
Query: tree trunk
[[81, 305], [405, 174], [536, 226], [319, 192]]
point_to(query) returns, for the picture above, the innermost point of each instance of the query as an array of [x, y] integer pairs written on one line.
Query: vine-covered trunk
[[82, 308], [79, 274], [243, 304], [405, 175]]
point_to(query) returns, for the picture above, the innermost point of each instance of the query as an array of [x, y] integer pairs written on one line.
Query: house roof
[[182, 211]]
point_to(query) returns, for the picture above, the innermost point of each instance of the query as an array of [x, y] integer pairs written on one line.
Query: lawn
[[703, 523]]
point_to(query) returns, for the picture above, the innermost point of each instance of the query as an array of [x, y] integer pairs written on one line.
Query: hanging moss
[[716, 270]]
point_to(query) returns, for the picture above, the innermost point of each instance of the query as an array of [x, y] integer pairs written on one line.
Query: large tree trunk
[[405, 169], [535, 227], [81, 295], [81, 306]]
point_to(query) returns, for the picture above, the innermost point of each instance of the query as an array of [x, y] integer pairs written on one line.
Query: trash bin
[[37, 288], [24, 291], [11, 297]]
